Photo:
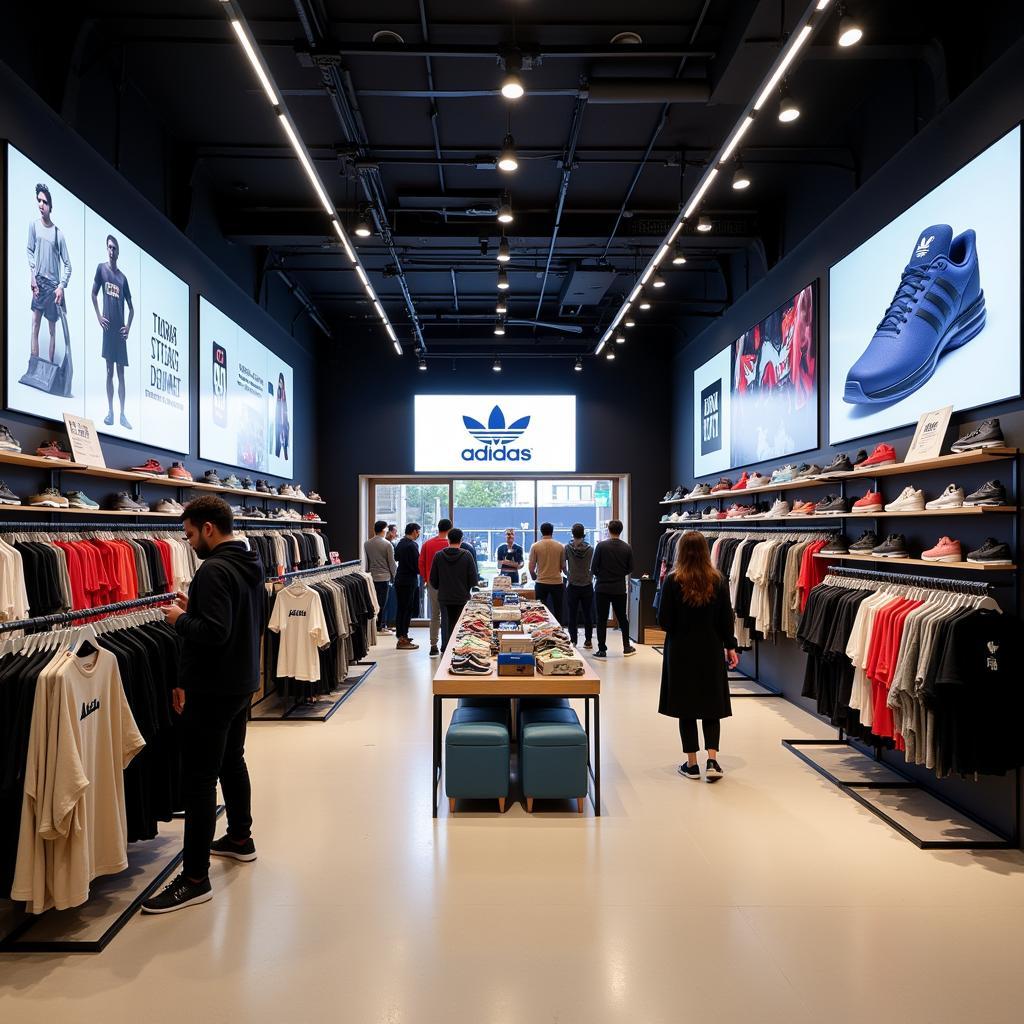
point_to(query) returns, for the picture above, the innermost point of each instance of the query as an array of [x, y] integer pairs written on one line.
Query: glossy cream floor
[[766, 897]]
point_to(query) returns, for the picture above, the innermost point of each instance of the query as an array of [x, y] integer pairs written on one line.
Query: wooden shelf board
[[918, 561], [972, 458]]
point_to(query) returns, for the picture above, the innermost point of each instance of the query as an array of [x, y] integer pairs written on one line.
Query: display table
[[585, 687]]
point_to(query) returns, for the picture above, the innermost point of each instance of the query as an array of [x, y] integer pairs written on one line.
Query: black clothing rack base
[[321, 710]]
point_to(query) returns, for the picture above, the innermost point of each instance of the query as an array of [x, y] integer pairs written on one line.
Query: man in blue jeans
[[612, 566]]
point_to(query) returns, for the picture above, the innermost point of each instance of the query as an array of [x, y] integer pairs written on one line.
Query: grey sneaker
[[992, 493], [894, 546], [211, 477], [992, 552], [951, 497], [988, 434], [832, 504], [232, 481], [8, 442], [867, 543], [7, 496]]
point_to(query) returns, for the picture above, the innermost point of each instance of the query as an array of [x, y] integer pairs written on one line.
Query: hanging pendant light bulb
[[658, 281], [505, 215], [496, 366], [423, 364], [504, 252], [362, 228], [499, 328], [610, 356], [678, 259], [501, 306], [503, 279], [788, 110], [704, 223], [740, 178], [579, 365], [629, 322], [507, 159], [644, 303], [850, 31], [512, 85], [620, 338]]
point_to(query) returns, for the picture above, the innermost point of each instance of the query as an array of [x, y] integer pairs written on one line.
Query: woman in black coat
[[697, 617]]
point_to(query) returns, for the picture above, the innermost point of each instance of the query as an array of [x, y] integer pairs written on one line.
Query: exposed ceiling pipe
[[303, 300], [476, 51], [564, 328], [434, 115], [598, 90]]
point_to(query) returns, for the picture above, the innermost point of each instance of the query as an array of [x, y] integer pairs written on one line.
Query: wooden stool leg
[[579, 805], [529, 804], [451, 805], [501, 804]]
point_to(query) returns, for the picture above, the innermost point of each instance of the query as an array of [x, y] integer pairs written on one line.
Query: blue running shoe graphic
[[938, 307]]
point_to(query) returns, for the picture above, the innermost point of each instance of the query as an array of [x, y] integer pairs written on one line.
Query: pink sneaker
[[871, 502], [945, 551]]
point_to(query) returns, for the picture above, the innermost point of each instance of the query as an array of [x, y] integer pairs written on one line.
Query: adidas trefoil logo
[[496, 438], [924, 245]]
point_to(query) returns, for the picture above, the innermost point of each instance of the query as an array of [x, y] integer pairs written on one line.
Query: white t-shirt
[[299, 617], [73, 820]]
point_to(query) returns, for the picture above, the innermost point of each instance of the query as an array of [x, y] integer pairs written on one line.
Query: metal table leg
[[597, 755], [435, 771]]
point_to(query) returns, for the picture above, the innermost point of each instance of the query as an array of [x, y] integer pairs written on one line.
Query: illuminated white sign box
[[495, 433]]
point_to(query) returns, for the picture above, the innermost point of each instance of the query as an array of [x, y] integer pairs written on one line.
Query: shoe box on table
[[516, 664]]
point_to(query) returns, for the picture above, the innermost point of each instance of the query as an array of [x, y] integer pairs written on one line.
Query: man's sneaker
[[988, 434], [883, 455], [7, 496], [255, 513], [840, 464], [263, 487], [79, 499], [803, 508], [211, 477], [992, 493], [865, 544], [8, 442], [992, 552], [227, 847], [667, 519], [699, 491], [690, 771], [434, 652], [860, 457], [894, 546], [405, 644], [784, 474], [946, 550], [232, 481], [628, 652], [247, 484], [124, 502], [713, 772], [807, 471], [709, 513], [668, 496], [54, 450], [951, 497], [741, 484], [167, 507], [757, 480], [838, 545], [49, 497], [179, 472], [181, 893], [738, 512], [724, 484], [870, 503], [938, 306], [910, 500], [779, 508], [298, 492], [285, 490], [313, 496], [588, 645], [832, 505], [601, 653], [150, 466]]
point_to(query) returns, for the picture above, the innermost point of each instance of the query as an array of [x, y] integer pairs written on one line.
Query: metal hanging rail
[[907, 579], [735, 526], [307, 572], [59, 618]]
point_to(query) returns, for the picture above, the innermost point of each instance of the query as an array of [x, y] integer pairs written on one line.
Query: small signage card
[[85, 442], [930, 433]]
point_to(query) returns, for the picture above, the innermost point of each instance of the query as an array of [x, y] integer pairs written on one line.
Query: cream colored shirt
[[546, 557]]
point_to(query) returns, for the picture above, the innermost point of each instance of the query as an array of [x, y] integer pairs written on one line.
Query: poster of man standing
[[111, 283]]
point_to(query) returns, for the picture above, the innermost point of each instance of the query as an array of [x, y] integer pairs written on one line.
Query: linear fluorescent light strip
[[340, 232], [254, 60], [699, 194], [734, 141], [675, 231], [634, 293], [601, 345], [307, 166], [661, 254], [794, 48]]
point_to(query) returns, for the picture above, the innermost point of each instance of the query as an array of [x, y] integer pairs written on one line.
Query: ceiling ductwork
[[645, 90]]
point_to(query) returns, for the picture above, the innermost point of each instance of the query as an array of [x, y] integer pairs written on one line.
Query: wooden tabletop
[[446, 684]]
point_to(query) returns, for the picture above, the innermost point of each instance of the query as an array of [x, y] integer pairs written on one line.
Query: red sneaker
[[179, 472], [871, 502], [53, 450], [149, 466], [725, 484], [883, 455], [741, 484]]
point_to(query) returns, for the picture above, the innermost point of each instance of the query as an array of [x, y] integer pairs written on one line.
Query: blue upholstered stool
[[477, 755], [552, 755]]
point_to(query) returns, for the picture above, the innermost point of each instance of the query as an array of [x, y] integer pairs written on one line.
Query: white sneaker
[[951, 497], [910, 500], [779, 509]]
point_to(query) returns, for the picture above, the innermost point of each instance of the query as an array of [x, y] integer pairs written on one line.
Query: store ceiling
[[417, 120]]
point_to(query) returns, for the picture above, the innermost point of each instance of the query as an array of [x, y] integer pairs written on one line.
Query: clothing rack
[[860, 786], [297, 573], [58, 618], [18, 527], [737, 526]]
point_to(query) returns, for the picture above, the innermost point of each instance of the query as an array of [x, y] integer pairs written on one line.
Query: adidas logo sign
[[924, 245]]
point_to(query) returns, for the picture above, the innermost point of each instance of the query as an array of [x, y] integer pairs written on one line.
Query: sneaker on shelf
[[807, 471], [263, 487], [212, 477], [741, 484], [679, 492], [779, 508], [54, 450], [713, 771], [285, 490], [237, 510], [992, 552], [883, 455], [79, 499], [297, 491], [803, 508], [699, 491], [313, 496], [894, 546], [668, 496], [7, 496], [724, 484], [838, 545], [247, 484], [947, 550], [674, 518], [8, 442], [909, 500], [870, 503], [179, 472], [124, 502], [988, 434], [167, 507], [312, 517], [177, 895], [860, 457], [951, 497], [739, 512], [832, 505], [784, 474], [251, 512], [865, 544], [709, 513], [49, 497], [840, 464], [231, 480], [990, 494], [665, 518], [150, 466], [757, 480]]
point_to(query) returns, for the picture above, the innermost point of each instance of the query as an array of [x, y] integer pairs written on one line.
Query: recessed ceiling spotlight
[[496, 366], [499, 328], [850, 31], [788, 110], [658, 281], [626, 39], [505, 215], [504, 253], [503, 279], [578, 367], [740, 178], [501, 307], [703, 223], [507, 159], [385, 35]]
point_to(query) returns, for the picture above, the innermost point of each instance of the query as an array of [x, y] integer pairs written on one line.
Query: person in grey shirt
[[381, 565], [49, 270], [579, 590]]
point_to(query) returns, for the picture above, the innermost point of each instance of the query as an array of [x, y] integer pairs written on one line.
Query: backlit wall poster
[[775, 384], [495, 433], [712, 423], [95, 325], [245, 398], [927, 311]]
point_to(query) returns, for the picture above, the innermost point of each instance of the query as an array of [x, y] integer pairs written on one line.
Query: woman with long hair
[[697, 617]]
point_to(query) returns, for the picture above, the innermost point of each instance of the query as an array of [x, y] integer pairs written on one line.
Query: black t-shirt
[[113, 286], [513, 554], [407, 554]]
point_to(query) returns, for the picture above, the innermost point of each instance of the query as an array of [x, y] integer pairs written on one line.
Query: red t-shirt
[[427, 553]]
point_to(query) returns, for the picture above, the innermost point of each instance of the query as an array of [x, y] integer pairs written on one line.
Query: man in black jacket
[[612, 565], [453, 574], [220, 622], [407, 552]]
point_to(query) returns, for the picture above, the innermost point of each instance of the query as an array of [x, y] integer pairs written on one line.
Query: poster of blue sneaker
[[926, 312]]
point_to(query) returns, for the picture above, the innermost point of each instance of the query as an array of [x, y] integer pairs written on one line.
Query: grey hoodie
[[578, 555]]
